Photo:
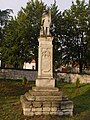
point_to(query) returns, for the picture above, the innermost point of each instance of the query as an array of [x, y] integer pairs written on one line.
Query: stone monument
[[45, 98], [45, 68]]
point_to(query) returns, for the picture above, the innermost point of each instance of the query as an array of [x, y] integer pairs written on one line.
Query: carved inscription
[[46, 60]]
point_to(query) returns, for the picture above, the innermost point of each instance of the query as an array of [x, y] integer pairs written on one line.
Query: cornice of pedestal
[[45, 38]]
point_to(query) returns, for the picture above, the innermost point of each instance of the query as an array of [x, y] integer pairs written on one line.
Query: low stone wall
[[72, 77], [18, 74], [32, 75]]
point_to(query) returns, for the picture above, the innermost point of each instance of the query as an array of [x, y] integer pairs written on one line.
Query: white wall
[[0, 63], [29, 66]]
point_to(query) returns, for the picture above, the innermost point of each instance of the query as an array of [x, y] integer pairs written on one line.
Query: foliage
[[77, 83], [20, 42], [56, 33], [75, 22], [88, 36], [24, 81], [4, 19], [5, 16], [11, 51]]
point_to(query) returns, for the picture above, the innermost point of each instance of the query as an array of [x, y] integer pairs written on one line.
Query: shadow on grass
[[81, 102], [13, 88], [80, 96]]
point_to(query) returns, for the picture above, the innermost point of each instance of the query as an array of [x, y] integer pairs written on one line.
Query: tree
[[21, 35], [4, 18], [56, 33], [11, 45], [88, 36], [75, 23]]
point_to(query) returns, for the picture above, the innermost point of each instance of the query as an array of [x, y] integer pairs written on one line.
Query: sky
[[16, 5]]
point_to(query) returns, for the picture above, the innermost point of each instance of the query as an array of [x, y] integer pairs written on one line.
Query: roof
[[33, 61]]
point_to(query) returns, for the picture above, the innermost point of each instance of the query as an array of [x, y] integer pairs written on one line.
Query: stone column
[[45, 63]]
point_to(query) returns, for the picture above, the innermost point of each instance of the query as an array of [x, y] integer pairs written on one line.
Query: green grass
[[10, 106]]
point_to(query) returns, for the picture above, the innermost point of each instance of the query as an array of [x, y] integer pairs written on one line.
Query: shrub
[[77, 83], [24, 81]]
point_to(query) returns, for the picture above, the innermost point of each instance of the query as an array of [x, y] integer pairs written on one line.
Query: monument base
[[45, 101], [45, 82]]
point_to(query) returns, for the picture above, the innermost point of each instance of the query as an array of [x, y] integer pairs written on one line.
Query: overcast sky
[[15, 5]]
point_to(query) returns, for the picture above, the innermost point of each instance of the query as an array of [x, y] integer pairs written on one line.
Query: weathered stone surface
[[54, 109], [46, 89], [53, 113], [27, 113], [38, 113], [59, 112], [66, 104], [66, 110], [45, 93], [55, 103], [48, 98], [47, 104], [51, 82], [46, 109], [66, 113], [71, 113], [37, 104], [46, 113], [25, 103], [27, 95], [27, 109], [37, 109]]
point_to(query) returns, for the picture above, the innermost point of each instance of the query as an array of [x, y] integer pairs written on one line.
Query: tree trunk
[[80, 66]]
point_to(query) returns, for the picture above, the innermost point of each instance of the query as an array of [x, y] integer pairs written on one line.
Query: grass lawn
[[10, 106]]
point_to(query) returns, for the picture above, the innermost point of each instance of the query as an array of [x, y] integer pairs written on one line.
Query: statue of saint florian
[[45, 24]]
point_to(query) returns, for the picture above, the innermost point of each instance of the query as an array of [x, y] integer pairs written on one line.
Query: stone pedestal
[[46, 101], [45, 62], [45, 98]]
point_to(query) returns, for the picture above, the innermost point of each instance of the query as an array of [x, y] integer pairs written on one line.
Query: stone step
[[30, 97], [45, 93], [48, 98], [45, 89], [25, 102], [52, 107], [43, 97]]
